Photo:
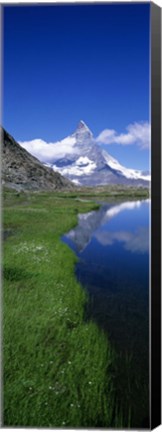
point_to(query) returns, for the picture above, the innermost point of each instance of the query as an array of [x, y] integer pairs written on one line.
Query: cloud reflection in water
[[133, 242]]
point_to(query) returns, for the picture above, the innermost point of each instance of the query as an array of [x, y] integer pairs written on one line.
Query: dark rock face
[[22, 171]]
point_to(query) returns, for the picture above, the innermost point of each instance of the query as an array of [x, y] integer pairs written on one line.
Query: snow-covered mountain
[[88, 164], [80, 159]]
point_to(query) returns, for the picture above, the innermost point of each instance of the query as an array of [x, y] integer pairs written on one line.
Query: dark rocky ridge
[[22, 171]]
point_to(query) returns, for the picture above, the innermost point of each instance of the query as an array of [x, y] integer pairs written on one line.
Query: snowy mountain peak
[[82, 126], [79, 158], [83, 134]]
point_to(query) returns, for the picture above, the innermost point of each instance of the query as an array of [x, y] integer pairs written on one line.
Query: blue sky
[[66, 63]]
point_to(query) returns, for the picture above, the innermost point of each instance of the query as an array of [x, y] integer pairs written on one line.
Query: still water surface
[[112, 245]]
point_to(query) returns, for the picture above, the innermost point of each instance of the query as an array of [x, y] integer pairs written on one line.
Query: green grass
[[57, 367]]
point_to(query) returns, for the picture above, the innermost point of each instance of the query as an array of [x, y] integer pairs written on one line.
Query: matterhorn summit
[[82, 134]]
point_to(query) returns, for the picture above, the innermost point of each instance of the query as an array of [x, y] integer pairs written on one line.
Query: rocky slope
[[22, 171]]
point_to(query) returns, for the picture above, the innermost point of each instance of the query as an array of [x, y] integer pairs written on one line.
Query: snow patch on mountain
[[77, 182], [128, 173], [83, 161], [83, 165]]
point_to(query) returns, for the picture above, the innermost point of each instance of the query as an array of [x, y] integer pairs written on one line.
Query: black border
[[155, 398]]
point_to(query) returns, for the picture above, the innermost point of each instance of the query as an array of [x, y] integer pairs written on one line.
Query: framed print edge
[[155, 319]]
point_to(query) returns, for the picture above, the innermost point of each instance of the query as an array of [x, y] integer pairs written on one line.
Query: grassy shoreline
[[59, 371], [56, 366]]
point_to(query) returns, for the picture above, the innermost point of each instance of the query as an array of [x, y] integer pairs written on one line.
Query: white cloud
[[47, 152], [137, 133]]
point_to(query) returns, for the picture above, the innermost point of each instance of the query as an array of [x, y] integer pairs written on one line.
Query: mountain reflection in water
[[113, 246], [113, 249], [94, 224]]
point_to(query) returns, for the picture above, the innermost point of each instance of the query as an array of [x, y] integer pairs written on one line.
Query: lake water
[[112, 245]]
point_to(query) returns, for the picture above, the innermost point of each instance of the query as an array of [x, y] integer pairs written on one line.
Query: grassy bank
[[114, 192], [57, 368]]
